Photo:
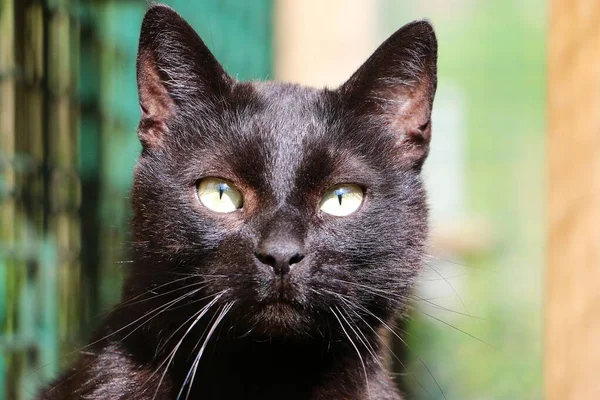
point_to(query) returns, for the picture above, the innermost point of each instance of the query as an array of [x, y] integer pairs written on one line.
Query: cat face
[[296, 205]]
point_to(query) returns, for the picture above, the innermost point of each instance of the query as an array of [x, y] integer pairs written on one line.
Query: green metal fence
[[68, 113]]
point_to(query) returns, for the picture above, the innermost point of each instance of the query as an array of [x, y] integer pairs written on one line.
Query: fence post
[[573, 215]]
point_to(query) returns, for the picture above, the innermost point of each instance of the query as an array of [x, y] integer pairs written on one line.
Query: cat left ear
[[175, 71], [396, 87]]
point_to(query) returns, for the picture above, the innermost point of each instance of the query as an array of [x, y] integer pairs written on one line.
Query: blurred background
[[68, 117]]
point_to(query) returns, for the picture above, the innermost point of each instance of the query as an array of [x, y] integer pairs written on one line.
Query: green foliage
[[494, 53]]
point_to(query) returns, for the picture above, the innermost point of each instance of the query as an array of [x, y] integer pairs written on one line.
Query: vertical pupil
[[222, 188], [340, 194]]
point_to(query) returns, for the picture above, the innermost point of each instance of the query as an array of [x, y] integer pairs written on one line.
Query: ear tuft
[[175, 72], [396, 85]]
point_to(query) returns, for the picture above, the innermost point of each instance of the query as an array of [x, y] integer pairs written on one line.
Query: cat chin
[[283, 319]]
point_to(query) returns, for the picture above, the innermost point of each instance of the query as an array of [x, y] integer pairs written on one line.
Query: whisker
[[440, 307], [164, 308], [445, 260], [372, 290], [215, 298], [355, 348], [156, 312], [129, 302], [384, 342], [222, 314], [460, 330], [171, 356], [361, 336], [440, 279], [132, 301], [392, 331], [197, 274], [401, 302], [451, 286]]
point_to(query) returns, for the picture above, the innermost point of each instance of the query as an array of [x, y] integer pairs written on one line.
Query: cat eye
[[219, 195], [342, 200]]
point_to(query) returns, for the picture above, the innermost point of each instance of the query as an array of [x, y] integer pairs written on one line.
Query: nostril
[[280, 261], [296, 258], [266, 259]]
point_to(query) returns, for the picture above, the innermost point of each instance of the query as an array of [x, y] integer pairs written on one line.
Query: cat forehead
[[283, 131], [293, 122], [286, 105], [282, 119]]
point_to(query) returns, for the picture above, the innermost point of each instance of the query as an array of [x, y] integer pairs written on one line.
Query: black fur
[[312, 333]]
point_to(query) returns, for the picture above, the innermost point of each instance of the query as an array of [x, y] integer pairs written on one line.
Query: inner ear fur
[[156, 105]]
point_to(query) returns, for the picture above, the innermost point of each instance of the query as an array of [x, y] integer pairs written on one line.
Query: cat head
[[295, 205]]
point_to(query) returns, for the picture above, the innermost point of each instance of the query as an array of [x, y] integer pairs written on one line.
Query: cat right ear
[[396, 87], [175, 70]]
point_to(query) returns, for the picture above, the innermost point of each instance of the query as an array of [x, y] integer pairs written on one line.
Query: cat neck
[[253, 367], [277, 369]]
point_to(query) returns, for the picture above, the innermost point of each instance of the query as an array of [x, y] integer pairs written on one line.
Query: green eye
[[342, 200], [219, 195]]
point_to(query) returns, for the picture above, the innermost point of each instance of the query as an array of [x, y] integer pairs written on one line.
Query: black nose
[[280, 254]]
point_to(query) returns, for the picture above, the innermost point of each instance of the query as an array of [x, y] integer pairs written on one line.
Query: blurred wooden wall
[[317, 45], [573, 274]]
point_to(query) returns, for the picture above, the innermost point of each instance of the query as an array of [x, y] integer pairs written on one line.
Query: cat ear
[[175, 70], [396, 87]]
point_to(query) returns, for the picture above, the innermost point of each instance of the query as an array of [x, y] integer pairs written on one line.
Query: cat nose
[[280, 254]]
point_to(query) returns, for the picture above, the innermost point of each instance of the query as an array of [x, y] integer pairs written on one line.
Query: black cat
[[278, 228]]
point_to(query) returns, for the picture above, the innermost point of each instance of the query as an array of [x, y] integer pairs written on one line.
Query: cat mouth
[[283, 306], [281, 300], [282, 292], [280, 317]]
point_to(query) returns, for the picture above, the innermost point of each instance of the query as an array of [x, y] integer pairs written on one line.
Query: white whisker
[[355, 348]]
